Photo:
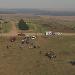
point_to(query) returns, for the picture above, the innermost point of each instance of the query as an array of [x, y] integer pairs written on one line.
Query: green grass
[[36, 27], [25, 61], [6, 27]]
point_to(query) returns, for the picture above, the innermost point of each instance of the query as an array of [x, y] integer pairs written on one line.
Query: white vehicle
[[33, 37], [48, 33]]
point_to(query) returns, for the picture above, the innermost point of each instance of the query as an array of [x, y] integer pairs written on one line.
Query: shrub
[[22, 25]]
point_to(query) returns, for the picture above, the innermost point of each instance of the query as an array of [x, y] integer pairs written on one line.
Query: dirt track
[[39, 34], [68, 34]]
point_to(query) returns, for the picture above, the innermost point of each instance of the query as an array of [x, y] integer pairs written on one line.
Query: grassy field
[[56, 25], [51, 23], [42, 23], [19, 59], [5, 27], [24, 61]]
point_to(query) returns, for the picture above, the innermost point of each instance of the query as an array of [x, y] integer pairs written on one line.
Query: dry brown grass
[[25, 61]]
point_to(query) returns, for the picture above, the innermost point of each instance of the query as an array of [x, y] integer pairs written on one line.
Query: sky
[[41, 4]]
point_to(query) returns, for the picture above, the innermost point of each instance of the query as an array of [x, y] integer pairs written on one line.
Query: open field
[[52, 23], [20, 59], [5, 27], [60, 24], [40, 24], [24, 61]]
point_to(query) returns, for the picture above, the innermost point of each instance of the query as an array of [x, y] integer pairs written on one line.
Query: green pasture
[[5, 27]]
